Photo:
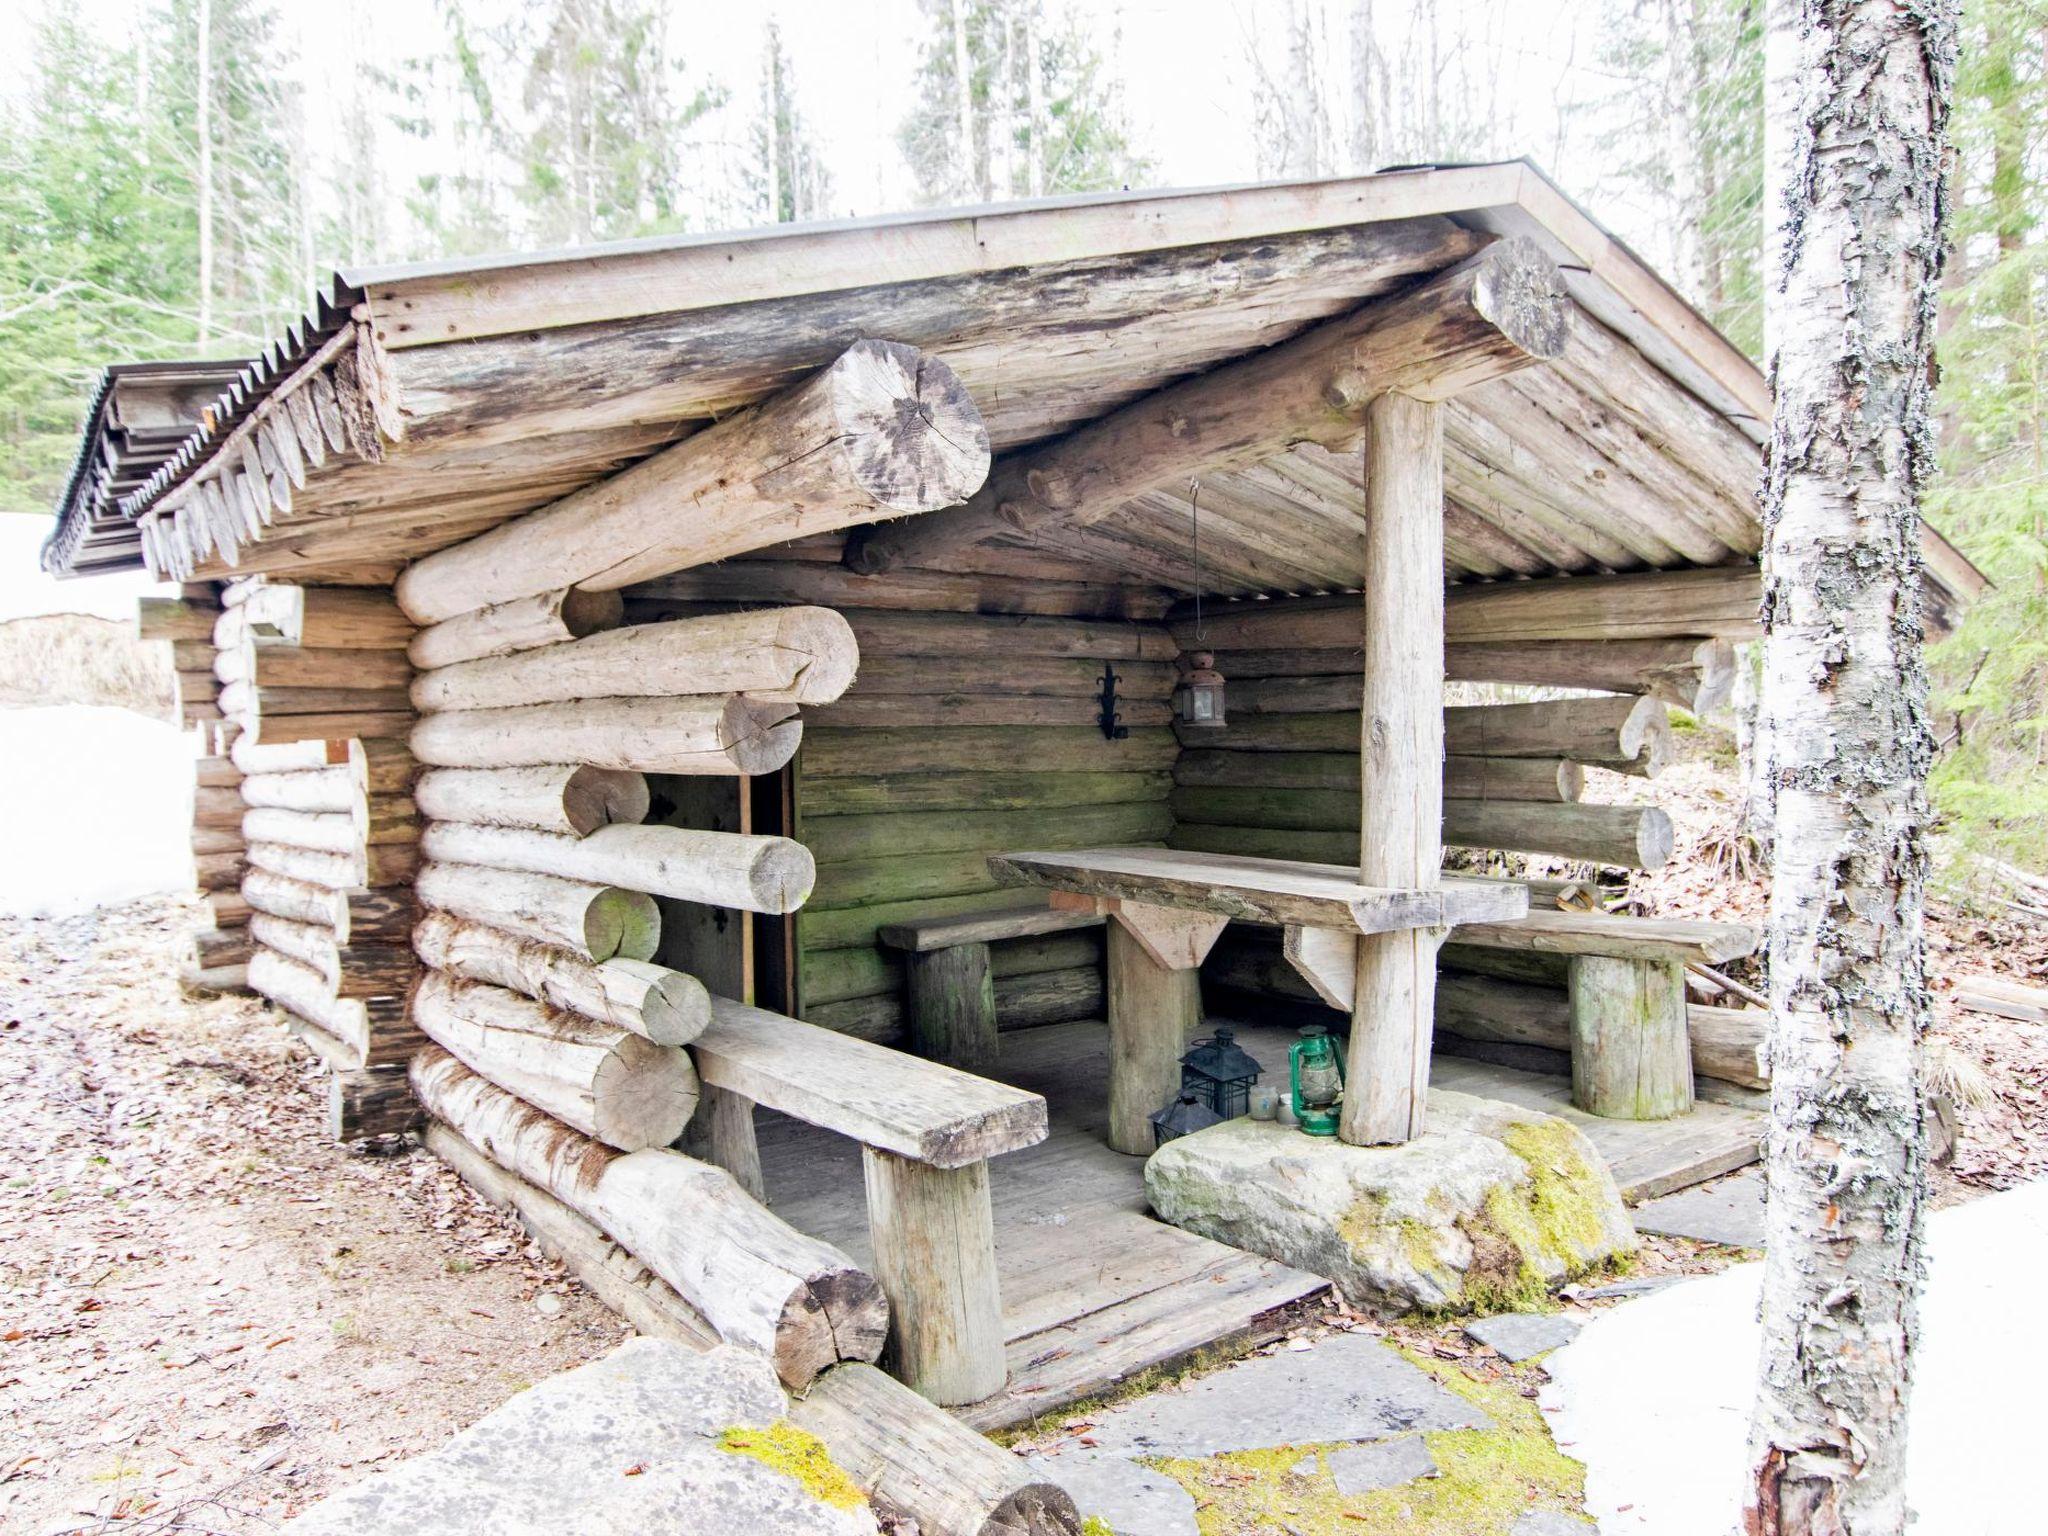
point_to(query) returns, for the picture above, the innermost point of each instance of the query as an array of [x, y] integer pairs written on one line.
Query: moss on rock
[[798, 1454]]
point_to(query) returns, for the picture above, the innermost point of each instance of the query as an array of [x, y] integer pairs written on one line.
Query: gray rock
[[1520, 1336], [1641, 1286], [1349, 1387], [624, 1446], [1363, 1468], [1552, 1522], [1131, 1500], [1729, 1211], [1492, 1201]]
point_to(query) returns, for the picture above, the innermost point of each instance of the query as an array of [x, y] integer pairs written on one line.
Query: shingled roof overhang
[[425, 403]]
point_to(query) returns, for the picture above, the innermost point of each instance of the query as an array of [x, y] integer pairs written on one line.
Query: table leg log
[[1631, 1054], [1152, 1011], [934, 1237], [722, 1134], [952, 997]]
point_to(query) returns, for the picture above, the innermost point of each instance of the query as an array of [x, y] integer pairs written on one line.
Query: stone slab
[[624, 1446], [1520, 1336], [1495, 1203], [1367, 1468], [1552, 1522], [1728, 1211], [1130, 1499], [1347, 1387]]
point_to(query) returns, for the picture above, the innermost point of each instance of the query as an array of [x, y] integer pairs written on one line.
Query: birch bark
[[1860, 135]]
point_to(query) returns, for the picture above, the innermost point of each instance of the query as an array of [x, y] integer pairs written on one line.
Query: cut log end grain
[[1521, 291], [621, 924], [909, 432]]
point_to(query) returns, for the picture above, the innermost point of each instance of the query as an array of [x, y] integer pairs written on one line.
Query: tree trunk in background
[[963, 105], [203, 114], [1860, 126]]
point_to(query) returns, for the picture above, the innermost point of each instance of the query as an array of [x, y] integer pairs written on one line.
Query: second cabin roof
[[447, 397]]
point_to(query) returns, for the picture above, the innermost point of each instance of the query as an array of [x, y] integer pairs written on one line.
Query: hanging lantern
[[1184, 1116], [1315, 1072], [1220, 1073], [1199, 698]]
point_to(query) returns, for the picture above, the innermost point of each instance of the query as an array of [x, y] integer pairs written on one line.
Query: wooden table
[[1170, 905]]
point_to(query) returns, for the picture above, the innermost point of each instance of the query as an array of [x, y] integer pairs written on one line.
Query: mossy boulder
[[1490, 1210], [653, 1440]]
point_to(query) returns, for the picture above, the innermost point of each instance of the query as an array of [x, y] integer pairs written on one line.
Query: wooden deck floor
[[1094, 1289]]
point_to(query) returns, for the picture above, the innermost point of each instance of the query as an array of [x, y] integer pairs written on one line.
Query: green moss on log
[[798, 1454]]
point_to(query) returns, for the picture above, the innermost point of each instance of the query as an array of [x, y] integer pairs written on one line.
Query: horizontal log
[[221, 946], [1064, 590], [1047, 676], [295, 900], [1023, 1001], [175, 618], [605, 1081], [986, 749], [835, 975], [286, 666], [573, 799], [324, 832], [1695, 674], [697, 735], [1465, 778], [593, 922], [854, 926], [882, 431], [220, 871], [524, 624], [351, 970], [193, 977], [654, 1002], [227, 909], [382, 765], [722, 869], [892, 878], [327, 618], [880, 711], [1529, 967], [902, 793], [953, 636], [760, 1283], [335, 729], [1716, 603], [206, 840], [216, 773], [612, 1275], [378, 917], [195, 656], [790, 655], [300, 990], [251, 756], [1617, 937], [332, 791], [1728, 1044], [249, 698], [833, 839], [384, 864]]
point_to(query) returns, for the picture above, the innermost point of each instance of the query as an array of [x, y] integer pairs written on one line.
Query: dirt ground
[[209, 1314]]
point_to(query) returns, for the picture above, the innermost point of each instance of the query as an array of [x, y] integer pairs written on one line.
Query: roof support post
[[1491, 314], [1393, 1000]]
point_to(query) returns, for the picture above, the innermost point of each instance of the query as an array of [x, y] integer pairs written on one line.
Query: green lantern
[[1315, 1072]]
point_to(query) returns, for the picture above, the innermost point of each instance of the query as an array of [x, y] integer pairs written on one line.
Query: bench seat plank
[[1617, 937], [1284, 891], [1020, 922], [876, 1096]]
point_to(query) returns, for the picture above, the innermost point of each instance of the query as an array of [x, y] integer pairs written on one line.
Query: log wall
[[963, 734]]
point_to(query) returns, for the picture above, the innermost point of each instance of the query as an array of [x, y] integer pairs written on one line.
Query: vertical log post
[[722, 1134], [1401, 804], [952, 998], [1631, 1050], [933, 1233], [1152, 1010]]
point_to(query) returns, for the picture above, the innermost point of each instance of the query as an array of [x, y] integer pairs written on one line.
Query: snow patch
[[95, 807], [1654, 1396]]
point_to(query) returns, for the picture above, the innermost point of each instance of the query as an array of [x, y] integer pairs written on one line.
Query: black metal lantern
[[1199, 698], [1184, 1116], [1220, 1073]]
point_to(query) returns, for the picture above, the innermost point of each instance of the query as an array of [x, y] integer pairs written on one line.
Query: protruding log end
[[780, 874], [759, 735], [600, 797], [621, 924], [910, 433], [837, 1315], [1520, 290]]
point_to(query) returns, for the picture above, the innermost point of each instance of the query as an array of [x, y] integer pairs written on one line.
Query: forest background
[[178, 176]]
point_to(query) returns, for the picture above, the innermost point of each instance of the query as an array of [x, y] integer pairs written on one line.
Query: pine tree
[[1014, 102], [787, 179]]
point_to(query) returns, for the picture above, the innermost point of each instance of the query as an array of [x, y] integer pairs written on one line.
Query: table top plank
[[1284, 891]]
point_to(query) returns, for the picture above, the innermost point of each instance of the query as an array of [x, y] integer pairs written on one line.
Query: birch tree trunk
[[1861, 134]]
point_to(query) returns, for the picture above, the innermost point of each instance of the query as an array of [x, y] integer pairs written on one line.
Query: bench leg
[[722, 1133], [934, 1237], [1631, 1055], [1152, 1011], [952, 999]]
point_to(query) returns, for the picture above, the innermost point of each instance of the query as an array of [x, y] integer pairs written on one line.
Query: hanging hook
[[1195, 524]]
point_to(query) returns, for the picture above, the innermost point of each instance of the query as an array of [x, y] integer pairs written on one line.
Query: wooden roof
[[456, 395]]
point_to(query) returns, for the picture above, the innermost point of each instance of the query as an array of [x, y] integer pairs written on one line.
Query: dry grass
[[70, 658]]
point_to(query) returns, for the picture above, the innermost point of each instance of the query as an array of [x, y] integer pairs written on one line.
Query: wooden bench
[[926, 1132], [1631, 1049], [949, 985]]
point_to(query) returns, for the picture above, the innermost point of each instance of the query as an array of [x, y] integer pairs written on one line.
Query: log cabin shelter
[[746, 692]]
